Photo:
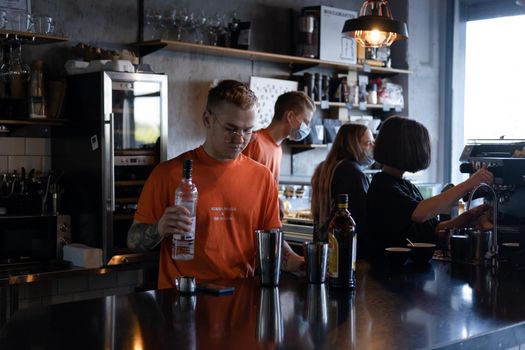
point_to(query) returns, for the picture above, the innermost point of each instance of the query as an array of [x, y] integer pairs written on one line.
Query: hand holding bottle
[[175, 220]]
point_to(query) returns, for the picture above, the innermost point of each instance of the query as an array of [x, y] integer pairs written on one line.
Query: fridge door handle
[[110, 122], [112, 158]]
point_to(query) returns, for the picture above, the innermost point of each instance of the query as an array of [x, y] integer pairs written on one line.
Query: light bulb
[[374, 38]]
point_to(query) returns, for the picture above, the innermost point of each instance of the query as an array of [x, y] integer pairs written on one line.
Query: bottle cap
[[187, 167], [342, 198]]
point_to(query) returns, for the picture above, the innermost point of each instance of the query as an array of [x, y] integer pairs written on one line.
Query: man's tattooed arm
[[143, 237]]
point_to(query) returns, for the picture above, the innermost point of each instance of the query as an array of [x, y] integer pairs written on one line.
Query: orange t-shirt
[[263, 149], [235, 198]]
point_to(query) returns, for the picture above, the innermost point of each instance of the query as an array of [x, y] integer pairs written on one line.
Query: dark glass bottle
[[342, 246]]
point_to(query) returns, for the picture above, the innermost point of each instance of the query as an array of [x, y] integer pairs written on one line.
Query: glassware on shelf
[[44, 24], [216, 30], [14, 69], [3, 19]]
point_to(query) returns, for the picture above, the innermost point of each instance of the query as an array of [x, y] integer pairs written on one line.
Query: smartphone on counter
[[214, 288]]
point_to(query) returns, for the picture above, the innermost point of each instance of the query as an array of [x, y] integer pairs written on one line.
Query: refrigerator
[[115, 134]]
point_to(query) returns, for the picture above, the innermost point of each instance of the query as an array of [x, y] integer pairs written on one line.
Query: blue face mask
[[368, 158], [298, 134]]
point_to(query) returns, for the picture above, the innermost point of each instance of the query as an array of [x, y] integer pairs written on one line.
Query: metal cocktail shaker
[[269, 246]]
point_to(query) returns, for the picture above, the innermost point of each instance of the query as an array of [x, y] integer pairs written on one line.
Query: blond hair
[[346, 146], [231, 91]]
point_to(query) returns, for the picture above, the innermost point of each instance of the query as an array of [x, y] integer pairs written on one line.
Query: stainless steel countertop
[[438, 306]]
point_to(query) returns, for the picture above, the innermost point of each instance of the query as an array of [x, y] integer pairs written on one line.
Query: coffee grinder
[[308, 26]]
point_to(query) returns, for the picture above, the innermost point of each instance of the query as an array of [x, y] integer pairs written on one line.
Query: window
[[495, 79]]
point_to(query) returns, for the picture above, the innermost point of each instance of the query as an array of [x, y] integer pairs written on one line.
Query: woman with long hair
[[342, 172]]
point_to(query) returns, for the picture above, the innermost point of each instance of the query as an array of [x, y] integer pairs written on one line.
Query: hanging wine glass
[[4, 65], [18, 70]]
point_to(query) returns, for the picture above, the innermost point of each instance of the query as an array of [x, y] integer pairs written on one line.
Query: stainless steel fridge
[[115, 135]]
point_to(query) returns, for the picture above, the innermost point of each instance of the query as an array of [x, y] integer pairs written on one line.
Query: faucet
[[493, 253]]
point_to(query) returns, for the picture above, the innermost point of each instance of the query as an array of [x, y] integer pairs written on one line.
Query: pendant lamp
[[375, 26]]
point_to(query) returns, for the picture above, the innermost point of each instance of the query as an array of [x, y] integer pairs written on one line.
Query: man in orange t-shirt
[[291, 119], [236, 197]]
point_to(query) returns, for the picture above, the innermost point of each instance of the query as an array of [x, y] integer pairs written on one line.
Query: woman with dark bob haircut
[[395, 208]]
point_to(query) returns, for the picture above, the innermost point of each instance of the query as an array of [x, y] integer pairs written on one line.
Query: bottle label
[[182, 250], [354, 253], [333, 256]]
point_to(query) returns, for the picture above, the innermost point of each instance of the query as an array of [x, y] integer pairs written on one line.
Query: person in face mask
[[342, 172], [292, 115]]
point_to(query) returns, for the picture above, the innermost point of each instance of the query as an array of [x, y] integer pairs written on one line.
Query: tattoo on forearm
[[143, 237]]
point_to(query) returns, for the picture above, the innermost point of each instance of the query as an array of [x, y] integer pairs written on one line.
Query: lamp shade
[[377, 29]]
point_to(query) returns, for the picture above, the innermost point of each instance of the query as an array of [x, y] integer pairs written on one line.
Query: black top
[[350, 179], [390, 204]]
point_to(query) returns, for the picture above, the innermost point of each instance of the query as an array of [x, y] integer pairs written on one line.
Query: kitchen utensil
[[269, 245], [316, 256]]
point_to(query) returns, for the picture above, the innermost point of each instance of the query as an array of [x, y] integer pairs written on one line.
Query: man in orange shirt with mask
[[236, 196], [291, 120]]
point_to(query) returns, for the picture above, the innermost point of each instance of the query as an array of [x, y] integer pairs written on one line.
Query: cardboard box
[[333, 46]]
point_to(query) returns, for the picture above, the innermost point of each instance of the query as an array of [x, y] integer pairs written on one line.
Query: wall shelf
[[32, 121], [29, 38], [357, 106], [146, 47]]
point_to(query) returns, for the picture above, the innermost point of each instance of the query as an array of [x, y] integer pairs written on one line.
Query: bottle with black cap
[[185, 195], [342, 247]]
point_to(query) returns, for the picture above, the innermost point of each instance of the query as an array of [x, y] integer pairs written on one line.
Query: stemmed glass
[[199, 28], [154, 21], [15, 69], [215, 28], [19, 70]]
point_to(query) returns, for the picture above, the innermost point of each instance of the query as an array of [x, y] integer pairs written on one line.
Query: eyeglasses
[[230, 133]]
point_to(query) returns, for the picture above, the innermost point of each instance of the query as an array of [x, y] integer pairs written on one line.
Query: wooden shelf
[[355, 106], [29, 38], [298, 148], [150, 46], [32, 121]]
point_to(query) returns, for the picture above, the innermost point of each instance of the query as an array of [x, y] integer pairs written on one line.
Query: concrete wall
[[426, 28], [113, 23]]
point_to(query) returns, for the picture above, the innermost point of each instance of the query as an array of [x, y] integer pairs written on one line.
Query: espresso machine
[[506, 160]]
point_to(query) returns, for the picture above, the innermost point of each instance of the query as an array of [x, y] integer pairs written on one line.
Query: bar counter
[[434, 306]]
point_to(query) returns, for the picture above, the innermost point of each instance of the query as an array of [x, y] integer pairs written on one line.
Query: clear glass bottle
[[342, 246], [186, 195]]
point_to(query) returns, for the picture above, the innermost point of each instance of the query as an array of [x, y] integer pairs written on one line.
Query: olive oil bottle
[[342, 247]]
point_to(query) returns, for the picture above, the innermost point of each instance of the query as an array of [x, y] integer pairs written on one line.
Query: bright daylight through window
[[495, 79]]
